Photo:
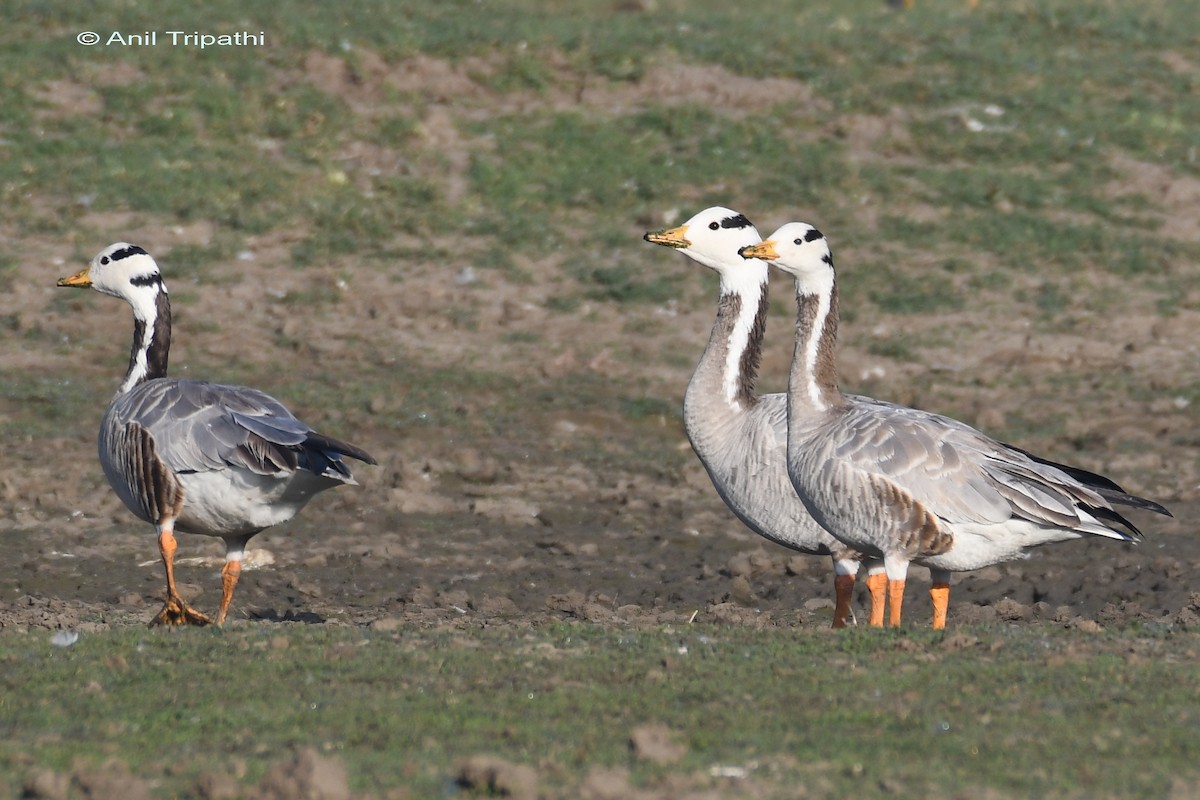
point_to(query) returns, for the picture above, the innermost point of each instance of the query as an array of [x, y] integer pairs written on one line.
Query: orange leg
[[175, 611], [940, 594], [895, 600], [229, 579], [876, 584], [843, 586]]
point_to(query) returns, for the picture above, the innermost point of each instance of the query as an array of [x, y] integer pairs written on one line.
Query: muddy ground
[[635, 549]]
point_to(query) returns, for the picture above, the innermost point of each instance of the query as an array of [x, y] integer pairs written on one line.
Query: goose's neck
[[151, 341], [729, 367], [813, 381]]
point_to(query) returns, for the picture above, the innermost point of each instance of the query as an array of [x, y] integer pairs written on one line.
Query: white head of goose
[[741, 436], [713, 238], [911, 485], [225, 461]]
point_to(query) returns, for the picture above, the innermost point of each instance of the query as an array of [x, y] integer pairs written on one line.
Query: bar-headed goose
[[741, 436], [910, 485], [197, 457]]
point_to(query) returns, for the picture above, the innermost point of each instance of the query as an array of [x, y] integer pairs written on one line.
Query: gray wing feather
[[201, 426], [281, 430], [960, 474], [768, 440], [887, 441]]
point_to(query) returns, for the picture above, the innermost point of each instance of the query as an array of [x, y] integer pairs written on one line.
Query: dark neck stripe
[[160, 345], [752, 355], [158, 349], [824, 371], [153, 279], [126, 252], [730, 309]]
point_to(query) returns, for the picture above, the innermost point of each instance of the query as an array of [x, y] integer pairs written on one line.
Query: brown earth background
[[547, 498]]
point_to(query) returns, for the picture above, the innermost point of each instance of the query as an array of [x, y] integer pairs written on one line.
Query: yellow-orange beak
[[764, 250], [81, 279], [672, 237]]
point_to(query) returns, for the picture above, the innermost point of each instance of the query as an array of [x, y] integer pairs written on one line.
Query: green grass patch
[[927, 713], [243, 138], [902, 293], [39, 406]]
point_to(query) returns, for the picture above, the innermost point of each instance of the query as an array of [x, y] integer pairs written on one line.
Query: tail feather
[[1110, 518], [1105, 487], [322, 455], [329, 444]]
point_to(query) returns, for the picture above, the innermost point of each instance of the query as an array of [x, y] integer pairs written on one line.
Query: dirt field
[[479, 526], [641, 565], [501, 531]]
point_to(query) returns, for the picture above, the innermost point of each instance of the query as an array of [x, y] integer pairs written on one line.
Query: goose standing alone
[[909, 485], [740, 436], [225, 461]]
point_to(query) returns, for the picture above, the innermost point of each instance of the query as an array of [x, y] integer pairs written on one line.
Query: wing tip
[[339, 447]]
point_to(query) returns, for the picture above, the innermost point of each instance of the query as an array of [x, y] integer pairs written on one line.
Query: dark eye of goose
[[104, 260], [712, 226], [798, 241]]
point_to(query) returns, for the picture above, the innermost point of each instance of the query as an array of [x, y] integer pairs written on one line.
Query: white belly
[[977, 546], [232, 502]]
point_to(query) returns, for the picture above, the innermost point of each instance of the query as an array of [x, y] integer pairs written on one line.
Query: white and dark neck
[[813, 381], [729, 367], [151, 331]]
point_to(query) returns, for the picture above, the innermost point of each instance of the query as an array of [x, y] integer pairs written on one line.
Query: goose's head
[[713, 238], [800, 250], [122, 270]]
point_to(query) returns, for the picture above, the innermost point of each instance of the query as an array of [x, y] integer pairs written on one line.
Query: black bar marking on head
[[153, 279], [126, 252], [812, 235], [738, 221]]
